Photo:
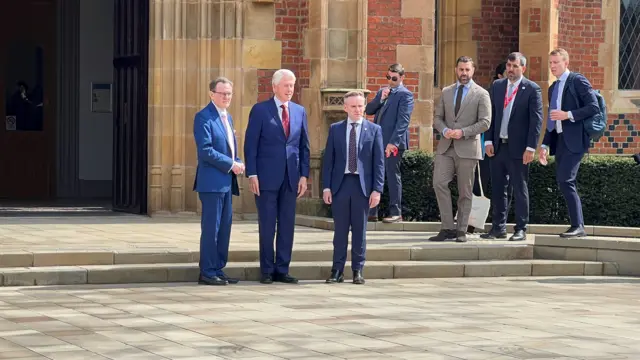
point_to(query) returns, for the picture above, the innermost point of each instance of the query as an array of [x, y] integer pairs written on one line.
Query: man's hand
[[237, 168], [374, 199], [489, 150], [456, 134], [302, 186], [527, 157], [254, 186], [447, 134], [390, 150], [326, 196], [385, 94], [543, 156], [559, 115]]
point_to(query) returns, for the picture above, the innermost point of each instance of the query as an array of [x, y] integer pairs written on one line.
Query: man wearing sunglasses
[[392, 108]]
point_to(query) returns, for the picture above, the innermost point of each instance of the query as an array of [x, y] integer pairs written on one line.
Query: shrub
[[608, 187]]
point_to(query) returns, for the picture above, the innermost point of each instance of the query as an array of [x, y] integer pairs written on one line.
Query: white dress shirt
[[229, 130], [562, 81], [279, 104]]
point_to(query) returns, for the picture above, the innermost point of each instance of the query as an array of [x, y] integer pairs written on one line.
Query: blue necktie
[[551, 124]]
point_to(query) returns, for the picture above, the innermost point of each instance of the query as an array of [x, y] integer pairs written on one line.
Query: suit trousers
[[567, 166], [446, 166], [350, 210], [217, 215], [506, 172], [276, 216], [394, 185]]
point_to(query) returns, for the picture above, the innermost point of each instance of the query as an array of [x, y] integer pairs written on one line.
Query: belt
[[504, 141]]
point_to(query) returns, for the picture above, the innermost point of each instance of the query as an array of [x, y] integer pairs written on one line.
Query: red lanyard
[[507, 100]]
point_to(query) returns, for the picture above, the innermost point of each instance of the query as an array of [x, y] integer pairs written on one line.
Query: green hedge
[[609, 187]]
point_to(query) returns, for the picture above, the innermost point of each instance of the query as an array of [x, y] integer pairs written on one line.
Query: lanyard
[[507, 100]]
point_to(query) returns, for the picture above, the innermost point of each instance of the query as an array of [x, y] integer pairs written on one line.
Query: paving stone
[[555, 268], [463, 252], [505, 252], [68, 258], [142, 273], [149, 257], [415, 269], [59, 275], [497, 268], [16, 259]]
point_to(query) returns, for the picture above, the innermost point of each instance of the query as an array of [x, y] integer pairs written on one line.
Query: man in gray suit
[[462, 114]]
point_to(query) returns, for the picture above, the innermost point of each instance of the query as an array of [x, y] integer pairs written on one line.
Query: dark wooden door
[[27, 99], [130, 63]]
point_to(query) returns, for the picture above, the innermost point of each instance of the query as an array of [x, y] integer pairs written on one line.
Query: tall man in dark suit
[[216, 180], [392, 108], [276, 150], [353, 179], [565, 135], [511, 142]]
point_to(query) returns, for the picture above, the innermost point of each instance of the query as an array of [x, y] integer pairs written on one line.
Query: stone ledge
[[541, 229], [590, 242], [426, 251], [250, 271]]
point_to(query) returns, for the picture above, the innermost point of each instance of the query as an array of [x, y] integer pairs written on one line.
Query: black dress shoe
[[492, 235], [266, 279], [461, 236], [215, 280], [336, 277], [574, 232], [229, 280], [372, 219], [286, 278], [519, 235], [444, 235], [357, 277]]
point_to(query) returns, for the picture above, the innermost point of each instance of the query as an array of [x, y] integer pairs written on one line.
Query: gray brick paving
[[558, 318]]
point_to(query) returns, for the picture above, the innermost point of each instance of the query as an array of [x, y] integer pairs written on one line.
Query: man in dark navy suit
[[276, 149], [392, 108], [511, 142], [216, 180], [353, 179], [565, 136]]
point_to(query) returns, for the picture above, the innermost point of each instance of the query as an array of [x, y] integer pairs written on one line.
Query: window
[[629, 73]]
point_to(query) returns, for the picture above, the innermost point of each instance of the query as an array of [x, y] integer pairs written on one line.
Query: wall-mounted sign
[[10, 122], [101, 97]]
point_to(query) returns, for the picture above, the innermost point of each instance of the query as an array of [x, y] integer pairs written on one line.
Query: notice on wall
[[10, 122], [101, 97]]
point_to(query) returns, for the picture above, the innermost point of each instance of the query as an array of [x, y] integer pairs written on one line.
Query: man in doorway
[[462, 114], [216, 180], [511, 143], [353, 179], [571, 100], [392, 107], [277, 155]]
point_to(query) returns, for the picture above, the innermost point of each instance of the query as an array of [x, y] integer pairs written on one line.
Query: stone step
[[250, 271], [428, 251]]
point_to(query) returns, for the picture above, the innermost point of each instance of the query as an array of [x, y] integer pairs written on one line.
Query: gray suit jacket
[[474, 118]]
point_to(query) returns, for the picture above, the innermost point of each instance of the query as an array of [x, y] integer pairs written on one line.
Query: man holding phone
[[392, 108]]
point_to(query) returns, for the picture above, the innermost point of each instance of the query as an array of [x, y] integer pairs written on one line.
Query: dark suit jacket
[[214, 153], [575, 138], [393, 116], [268, 153], [525, 122], [370, 158]]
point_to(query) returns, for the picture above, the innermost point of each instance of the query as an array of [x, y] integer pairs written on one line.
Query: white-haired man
[[276, 149]]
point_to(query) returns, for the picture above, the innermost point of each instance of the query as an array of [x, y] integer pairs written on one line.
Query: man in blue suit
[[216, 180], [565, 135], [511, 142], [276, 150], [392, 108], [353, 179]]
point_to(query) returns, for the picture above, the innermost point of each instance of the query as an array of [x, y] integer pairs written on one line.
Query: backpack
[[595, 125]]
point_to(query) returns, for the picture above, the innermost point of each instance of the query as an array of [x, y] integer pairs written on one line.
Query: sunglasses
[[394, 78]]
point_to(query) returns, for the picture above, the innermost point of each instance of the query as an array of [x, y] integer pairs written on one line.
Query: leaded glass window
[[629, 75]]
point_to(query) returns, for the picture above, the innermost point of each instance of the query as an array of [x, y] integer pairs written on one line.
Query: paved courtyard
[[436, 319]]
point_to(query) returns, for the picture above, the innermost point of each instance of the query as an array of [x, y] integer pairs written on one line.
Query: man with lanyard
[[511, 142]]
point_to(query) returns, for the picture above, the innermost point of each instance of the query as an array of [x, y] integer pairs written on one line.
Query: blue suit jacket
[[214, 154], [575, 138], [370, 157], [393, 116], [268, 153], [525, 122]]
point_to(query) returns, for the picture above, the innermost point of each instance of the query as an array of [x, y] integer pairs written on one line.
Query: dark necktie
[[285, 120], [353, 152], [458, 99]]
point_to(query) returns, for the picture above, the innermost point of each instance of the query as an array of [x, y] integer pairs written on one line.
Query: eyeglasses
[[394, 78], [227, 94]]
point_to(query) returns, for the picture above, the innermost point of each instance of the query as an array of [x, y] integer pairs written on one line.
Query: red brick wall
[[387, 29], [292, 18], [497, 33]]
